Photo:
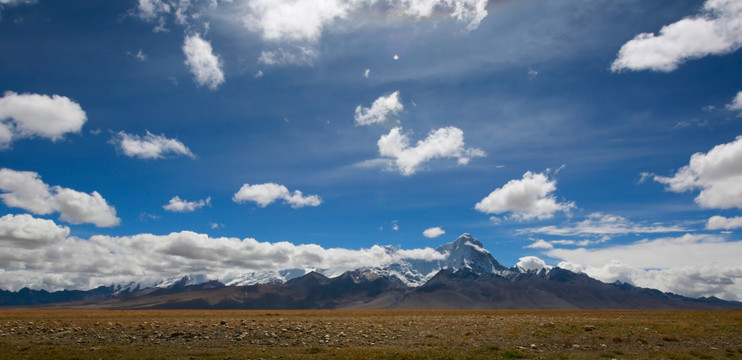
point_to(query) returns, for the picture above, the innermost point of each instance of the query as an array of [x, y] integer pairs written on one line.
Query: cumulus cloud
[[299, 20], [532, 263], [266, 194], [603, 224], [150, 146], [434, 232], [718, 174], [205, 66], [724, 223], [381, 110], [736, 103], [445, 142], [716, 31], [34, 115], [26, 190], [676, 270], [28, 232], [177, 204], [75, 263], [526, 199]]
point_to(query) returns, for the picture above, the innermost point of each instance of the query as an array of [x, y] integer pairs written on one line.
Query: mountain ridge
[[464, 276]]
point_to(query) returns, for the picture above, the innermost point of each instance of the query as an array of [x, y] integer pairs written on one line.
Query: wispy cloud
[[602, 224], [150, 146]]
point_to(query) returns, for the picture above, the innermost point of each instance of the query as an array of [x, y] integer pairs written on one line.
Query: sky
[[151, 138]]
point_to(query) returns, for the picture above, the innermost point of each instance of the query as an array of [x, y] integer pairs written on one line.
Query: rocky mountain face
[[465, 276]]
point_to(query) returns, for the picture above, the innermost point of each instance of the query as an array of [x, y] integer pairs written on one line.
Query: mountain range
[[464, 276]]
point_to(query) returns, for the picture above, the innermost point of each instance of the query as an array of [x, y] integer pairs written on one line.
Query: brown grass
[[206, 334]]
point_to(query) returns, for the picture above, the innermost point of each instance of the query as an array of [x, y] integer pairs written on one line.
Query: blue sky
[[561, 129]]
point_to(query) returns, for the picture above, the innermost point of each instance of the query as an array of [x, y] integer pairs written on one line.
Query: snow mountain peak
[[466, 252]]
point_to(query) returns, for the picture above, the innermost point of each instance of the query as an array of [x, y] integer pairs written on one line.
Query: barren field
[[82, 334]]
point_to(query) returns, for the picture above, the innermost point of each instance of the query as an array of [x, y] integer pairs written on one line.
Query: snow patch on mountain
[[410, 268]]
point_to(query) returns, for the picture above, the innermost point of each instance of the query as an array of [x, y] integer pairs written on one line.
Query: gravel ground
[[81, 334]]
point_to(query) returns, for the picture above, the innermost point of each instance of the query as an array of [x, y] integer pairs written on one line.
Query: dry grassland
[[203, 334]]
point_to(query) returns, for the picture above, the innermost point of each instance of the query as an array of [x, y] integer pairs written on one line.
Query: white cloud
[[532, 74], [366, 73], [540, 244], [602, 224], [675, 270], [75, 263], [445, 142], [151, 9], [306, 20], [150, 146], [736, 103], [200, 58], [381, 110], [14, 3], [141, 56], [532, 263], [566, 265], [297, 20], [717, 173], [296, 55], [28, 232], [266, 194], [526, 199], [25, 190], [177, 204], [17, 2], [721, 222], [433, 232], [32, 115], [716, 31]]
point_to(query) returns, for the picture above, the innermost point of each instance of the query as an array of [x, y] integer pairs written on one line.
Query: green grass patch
[[315, 350], [700, 355], [513, 354]]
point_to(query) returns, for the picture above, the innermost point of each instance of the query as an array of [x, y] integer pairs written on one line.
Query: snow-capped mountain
[[270, 277], [458, 275], [465, 252]]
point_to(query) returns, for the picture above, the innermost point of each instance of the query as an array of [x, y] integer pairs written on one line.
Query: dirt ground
[[204, 334]]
